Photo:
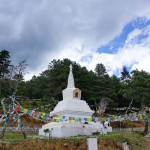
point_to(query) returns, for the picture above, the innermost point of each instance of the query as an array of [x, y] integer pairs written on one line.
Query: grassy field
[[112, 141]]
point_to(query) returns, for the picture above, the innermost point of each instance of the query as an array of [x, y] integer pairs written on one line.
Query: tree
[[125, 74], [4, 63], [21, 89], [10, 75], [94, 86], [114, 95], [136, 90], [102, 106], [102, 84], [12, 72], [141, 88], [52, 81], [20, 71], [126, 89], [100, 70], [127, 92]]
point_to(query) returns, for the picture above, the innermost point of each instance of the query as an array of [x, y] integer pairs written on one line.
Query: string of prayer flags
[[62, 118], [132, 116]]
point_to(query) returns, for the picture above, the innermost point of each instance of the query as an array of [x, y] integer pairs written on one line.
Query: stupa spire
[[70, 78]]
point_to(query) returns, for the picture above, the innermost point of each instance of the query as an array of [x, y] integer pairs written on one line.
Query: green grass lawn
[[135, 140]]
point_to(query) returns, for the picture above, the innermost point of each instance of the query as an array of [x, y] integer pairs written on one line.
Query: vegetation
[[95, 86], [16, 137], [135, 141], [10, 75]]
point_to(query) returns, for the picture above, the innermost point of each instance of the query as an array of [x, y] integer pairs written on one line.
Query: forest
[[97, 85]]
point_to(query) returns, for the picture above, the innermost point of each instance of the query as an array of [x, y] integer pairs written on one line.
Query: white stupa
[[72, 106]]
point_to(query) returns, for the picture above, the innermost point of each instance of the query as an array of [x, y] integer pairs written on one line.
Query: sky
[[113, 32]]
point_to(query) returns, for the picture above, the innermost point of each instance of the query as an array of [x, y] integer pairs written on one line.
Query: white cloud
[[132, 35], [132, 54], [44, 30]]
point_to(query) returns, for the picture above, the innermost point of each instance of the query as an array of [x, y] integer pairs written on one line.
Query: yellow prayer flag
[[25, 110], [60, 116], [103, 119], [76, 119], [134, 114], [89, 119], [57, 120], [43, 114], [141, 117]]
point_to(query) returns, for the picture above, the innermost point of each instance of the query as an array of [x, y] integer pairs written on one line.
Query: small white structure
[[107, 126], [72, 106], [92, 144]]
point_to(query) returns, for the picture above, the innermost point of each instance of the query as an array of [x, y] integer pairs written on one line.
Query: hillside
[[111, 141]]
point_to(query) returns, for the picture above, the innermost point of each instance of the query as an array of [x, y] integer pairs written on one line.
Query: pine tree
[[125, 74], [100, 70], [4, 63]]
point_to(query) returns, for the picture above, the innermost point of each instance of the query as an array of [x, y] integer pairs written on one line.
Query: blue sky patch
[[119, 41]]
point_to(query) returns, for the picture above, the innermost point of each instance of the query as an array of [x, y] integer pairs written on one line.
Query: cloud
[[40, 31], [135, 53]]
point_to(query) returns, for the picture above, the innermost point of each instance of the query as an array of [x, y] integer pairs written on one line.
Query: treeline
[[118, 92]]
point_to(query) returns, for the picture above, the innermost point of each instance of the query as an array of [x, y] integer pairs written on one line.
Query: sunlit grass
[[135, 140]]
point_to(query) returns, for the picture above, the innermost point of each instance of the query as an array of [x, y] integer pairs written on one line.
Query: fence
[[128, 129], [15, 129]]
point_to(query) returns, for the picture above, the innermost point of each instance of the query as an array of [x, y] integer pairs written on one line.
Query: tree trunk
[[24, 134], [146, 127], [3, 133]]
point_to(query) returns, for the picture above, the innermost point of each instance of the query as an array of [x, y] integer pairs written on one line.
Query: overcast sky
[[113, 32]]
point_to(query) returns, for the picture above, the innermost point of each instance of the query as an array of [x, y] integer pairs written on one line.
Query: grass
[[16, 137], [135, 140]]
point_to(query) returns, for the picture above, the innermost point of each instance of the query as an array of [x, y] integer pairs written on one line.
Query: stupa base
[[71, 129]]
